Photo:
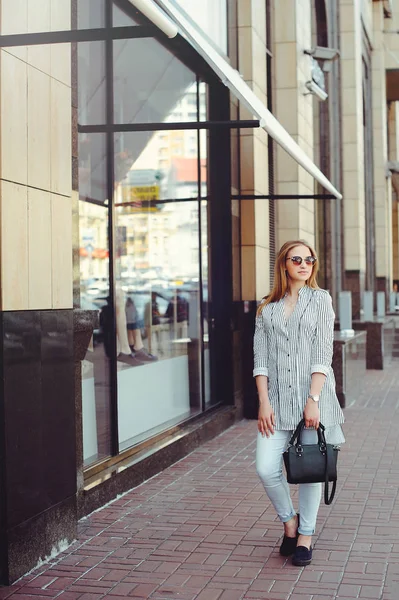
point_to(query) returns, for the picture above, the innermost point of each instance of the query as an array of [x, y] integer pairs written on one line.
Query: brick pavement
[[203, 529]]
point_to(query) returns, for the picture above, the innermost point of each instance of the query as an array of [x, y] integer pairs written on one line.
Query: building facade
[[145, 190]]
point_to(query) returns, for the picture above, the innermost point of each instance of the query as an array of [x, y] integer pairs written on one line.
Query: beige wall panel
[[287, 168], [247, 161], [14, 247], [14, 19], [14, 131], [61, 145], [286, 64], [61, 240], [259, 18], [60, 15], [285, 28], [39, 21], [61, 63], [262, 272], [262, 223], [39, 135], [259, 61], [244, 52], [261, 183], [287, 107], [247, 222], [248, 272], [40, 249], [347, 17], [395, 239], [288, 214]]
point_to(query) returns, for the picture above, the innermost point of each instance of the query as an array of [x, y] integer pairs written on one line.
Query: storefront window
[[94, 291], [148, 364], [157, 270]]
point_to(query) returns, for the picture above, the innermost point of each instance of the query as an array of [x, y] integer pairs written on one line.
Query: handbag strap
[[328, 500]]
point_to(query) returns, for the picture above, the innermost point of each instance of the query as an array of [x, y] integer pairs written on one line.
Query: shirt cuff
[[320, 369], [261, 371]]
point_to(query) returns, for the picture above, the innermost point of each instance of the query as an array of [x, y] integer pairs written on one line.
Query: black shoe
[[289, 544], [302, 556]]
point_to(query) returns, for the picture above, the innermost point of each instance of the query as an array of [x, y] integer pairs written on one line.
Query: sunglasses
[[297, 260]]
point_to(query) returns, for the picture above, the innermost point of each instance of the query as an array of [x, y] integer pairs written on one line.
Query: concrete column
[[37, 415], [393, 155], [382, 187], [255, 250], [353, 149], [294, 109]]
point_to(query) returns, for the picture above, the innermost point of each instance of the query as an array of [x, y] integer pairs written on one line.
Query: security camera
[[321, 53], [316, 90]]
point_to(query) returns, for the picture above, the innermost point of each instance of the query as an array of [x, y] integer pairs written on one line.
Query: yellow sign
[[142, 192], [137, 199]]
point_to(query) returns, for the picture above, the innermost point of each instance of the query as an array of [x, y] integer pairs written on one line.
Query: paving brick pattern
[[204, 529]]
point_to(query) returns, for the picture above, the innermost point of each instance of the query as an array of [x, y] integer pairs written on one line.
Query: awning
[[234, 81]]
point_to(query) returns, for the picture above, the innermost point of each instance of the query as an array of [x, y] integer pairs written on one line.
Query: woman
[[293, 346]]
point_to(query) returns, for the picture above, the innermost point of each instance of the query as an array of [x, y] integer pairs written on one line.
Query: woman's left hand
[[311, 414]]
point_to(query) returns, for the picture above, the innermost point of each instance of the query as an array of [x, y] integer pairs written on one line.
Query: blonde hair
[[281, 284]]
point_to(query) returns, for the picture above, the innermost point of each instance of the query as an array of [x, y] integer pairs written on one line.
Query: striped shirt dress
[[288, 351]]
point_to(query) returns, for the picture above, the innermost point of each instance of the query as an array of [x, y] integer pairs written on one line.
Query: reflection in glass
[[157, 280], [94, 291], [91, 14], [91, 83], [211, 17], [157, 89]]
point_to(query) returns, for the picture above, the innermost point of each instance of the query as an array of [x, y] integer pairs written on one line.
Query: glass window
[[94, 291], [157, 270], [91, 13], [155, 90], [91, 83], [211, 17]]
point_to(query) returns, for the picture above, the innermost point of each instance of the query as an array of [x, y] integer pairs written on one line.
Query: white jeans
[[269, 462]]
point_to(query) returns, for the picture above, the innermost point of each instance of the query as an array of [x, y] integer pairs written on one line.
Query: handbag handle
[[297, 436]]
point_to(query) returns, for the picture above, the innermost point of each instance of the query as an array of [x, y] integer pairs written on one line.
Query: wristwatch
[[315, 398]]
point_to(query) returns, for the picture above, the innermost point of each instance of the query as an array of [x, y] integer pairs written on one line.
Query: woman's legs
[[309, 499], [269, 462], [269, 459]]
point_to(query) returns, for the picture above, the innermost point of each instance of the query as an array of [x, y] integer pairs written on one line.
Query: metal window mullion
[[110, 145], [70, 36], [201, 282], [194, 125]]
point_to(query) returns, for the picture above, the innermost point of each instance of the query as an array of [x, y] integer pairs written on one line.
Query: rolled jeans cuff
[[286, 519], [303, 531]]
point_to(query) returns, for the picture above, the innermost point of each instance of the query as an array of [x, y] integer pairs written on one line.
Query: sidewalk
[[203, 529]]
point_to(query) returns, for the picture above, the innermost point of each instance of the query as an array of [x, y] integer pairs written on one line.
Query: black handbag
[[312, 463]]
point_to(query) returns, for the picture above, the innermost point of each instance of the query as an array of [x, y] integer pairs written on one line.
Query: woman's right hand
[[266, 421]]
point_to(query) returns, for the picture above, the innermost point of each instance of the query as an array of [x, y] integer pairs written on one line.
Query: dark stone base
[[355, 283], [382, 285], [37, 437], [375, 346], [34, 540], [106, 486]]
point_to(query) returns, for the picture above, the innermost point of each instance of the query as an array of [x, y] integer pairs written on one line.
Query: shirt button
[[289, 386]]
